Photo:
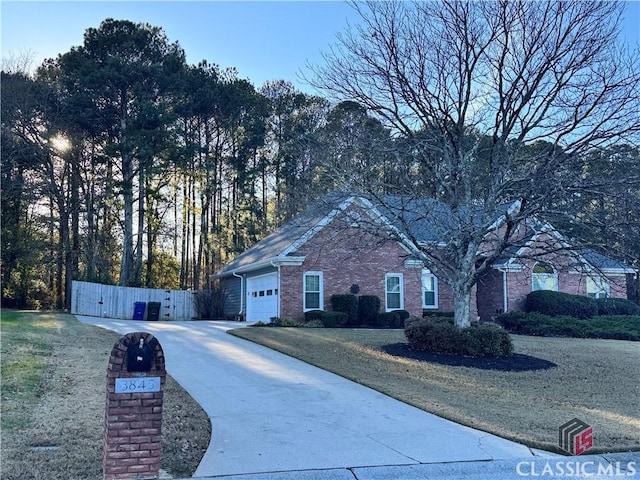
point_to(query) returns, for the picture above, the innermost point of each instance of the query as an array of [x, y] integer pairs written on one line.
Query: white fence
[[96, 300]]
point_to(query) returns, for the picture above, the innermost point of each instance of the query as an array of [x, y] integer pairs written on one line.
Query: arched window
[[544, 277]]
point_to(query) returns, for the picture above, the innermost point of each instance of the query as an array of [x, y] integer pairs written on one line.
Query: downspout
[[279, 289], [505, 304], [242, 299]]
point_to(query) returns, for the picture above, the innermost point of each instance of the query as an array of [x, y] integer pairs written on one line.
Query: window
[[429, 290], [597, 287], [313, 291], [393, 291], [544, 277]]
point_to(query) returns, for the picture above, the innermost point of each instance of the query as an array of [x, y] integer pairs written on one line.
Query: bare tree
[[497, 102]]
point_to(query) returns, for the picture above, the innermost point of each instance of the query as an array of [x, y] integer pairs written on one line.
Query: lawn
[[53, 399], [548, 381]]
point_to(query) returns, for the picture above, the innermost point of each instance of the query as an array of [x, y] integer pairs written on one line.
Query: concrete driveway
[[270, 412]]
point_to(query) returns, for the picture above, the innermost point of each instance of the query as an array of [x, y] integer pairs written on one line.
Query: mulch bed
[[513, 363]]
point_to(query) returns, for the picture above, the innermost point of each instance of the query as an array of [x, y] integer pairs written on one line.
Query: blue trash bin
[[138, 310]]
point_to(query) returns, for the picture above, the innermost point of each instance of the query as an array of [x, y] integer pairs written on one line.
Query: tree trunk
[[126, 267], [150, 210], [184, 260], [72, 260], [137, 278], [91, 237], [461, 305]]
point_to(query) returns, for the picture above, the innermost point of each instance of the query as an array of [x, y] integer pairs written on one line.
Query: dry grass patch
[[53, 409], [554, 380]]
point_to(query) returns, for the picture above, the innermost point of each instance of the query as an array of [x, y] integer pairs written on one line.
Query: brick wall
[[133, 421], [569, 281], [349, 256], [490, 292]]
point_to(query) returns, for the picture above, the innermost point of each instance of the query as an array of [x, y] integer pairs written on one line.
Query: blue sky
[[264, 40]]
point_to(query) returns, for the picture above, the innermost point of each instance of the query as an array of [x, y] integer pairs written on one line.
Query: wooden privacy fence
[[97, 300]]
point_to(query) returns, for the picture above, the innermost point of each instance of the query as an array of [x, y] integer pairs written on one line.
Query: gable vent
[[413, 263]]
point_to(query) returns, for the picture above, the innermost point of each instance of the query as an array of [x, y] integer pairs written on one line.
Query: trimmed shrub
[[552, 303], [289, 322], [431, 336], [313, 315], [283, 322], [412, 319], [429, 313], [402, 316], [443, 337], [617, 327], [393, 319], [346, 303], [387, 319], [441, 318], [368, 309], [617, 306], [539, 324], [486, 341], [334, 319], [316, 323]]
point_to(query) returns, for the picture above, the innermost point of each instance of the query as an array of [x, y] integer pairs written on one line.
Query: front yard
[[53, 399], [549, 381]]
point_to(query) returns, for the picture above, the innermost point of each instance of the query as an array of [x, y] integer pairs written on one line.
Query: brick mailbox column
[[133, 417]]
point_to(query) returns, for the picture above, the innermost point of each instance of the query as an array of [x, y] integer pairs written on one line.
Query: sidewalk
[[586, 467]]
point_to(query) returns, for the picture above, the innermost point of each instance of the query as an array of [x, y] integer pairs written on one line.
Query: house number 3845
[[137, 385]]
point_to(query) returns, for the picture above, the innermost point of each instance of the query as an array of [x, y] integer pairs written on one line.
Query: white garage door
[[262, 297]]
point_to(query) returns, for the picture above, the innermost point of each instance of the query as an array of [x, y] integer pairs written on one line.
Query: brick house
[[331, 248]]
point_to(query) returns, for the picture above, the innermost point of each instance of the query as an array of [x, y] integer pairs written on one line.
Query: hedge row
[[439, 335], [327, 319], [338, 319], [617, 306], [616, 327], [363, 310], [548, 302], [552, 303]]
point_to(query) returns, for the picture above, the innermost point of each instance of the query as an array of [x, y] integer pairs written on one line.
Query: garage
[[262, 297]]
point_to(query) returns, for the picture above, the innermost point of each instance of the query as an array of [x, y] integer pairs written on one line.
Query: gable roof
[[279, 246], [586, 259], [604, 264], [425, 220]]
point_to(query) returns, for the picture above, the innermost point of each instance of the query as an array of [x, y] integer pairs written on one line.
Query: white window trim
[[304, 291], [401, 284], [545, 276], [601, 283], [427, 273]]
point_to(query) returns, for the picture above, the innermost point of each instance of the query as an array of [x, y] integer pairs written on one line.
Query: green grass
[[594, 380]]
